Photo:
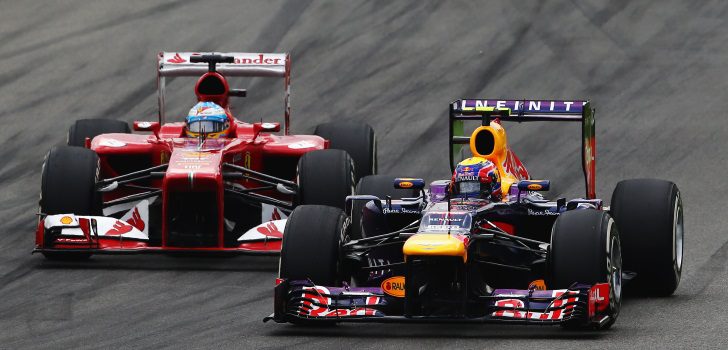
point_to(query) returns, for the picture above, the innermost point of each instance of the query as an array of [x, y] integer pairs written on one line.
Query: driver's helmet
[[476, 178], [207, 119]]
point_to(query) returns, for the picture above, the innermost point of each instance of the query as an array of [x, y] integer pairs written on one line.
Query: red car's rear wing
[[526, 111], [245, 64]]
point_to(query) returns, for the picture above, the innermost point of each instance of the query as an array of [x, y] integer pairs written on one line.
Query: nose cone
[[436, 244]]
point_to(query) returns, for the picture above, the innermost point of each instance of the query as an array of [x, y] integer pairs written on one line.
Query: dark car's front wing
[[302, 301]]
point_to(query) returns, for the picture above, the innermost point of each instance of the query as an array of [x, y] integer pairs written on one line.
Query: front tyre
[[649, 214], [585, 248], [311, 249], [68, 186], [312, 244]]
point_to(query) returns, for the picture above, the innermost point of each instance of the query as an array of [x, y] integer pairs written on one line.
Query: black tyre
[[358, 139], [585, 248], [325, 177], [649, 215], [83, 128], [68, 185], [311, 244], [375, 185]]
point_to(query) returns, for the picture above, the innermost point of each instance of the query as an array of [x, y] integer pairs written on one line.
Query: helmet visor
[[207, 126], [469, 187]]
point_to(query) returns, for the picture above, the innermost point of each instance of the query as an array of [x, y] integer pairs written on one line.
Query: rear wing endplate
[[246, 64], [527, 111]]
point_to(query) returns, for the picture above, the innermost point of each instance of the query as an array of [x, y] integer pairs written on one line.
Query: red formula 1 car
[[111, 191]]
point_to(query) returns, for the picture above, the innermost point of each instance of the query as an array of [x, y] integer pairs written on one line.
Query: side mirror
[[534, 185], [147, 126], [268, 127], [406, 183]]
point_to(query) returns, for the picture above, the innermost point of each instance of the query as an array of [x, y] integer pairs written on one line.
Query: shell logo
[[535, 187], [66, 220], [394, 286], [405, 184]]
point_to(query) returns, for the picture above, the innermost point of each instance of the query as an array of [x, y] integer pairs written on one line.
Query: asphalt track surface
[[656, 72]]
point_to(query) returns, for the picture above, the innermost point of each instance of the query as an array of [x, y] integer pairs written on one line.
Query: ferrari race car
[[407, 253], [111, 191]]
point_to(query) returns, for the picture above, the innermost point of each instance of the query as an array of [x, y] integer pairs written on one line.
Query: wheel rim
[[614, 269], [678, 234], [615, 258]]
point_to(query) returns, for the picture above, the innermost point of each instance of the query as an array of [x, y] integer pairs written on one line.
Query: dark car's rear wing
[[527, 111]]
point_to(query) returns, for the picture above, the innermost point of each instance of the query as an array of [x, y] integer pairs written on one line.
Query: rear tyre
[[83, 128], [325, 177], [68, 186], [585, 248], [649, 215], [358, 139], [375, 185]]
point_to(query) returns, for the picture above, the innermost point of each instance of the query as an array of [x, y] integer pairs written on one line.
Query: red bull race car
[[484, 246], [212, 183]]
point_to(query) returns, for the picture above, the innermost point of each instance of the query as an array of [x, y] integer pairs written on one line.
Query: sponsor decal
[[522, 106], [270, 230], [261, 59], [163, 157], [71, 240], [111, 143], [394, 286], [145, 125], [119, 229], [66, 220], [598, 298], [316, 305], [301, 145], [400, 211], [136, 220], [405, 184], [276, 215], [467, 178], [541, 212], [535, 187], [537, 285], [195, 155], [176, 59], [248, 159]]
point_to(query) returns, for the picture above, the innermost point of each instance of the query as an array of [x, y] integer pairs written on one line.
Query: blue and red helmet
[[476, 178], [207, 119]]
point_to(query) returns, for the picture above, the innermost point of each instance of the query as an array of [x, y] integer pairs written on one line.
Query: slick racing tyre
[[83, 128], [325, 177], [68, 186], [311, 244], [358, 139], [649, 215], [585, 248], [375, 185]]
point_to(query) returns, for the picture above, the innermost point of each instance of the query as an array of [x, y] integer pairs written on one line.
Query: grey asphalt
[[655, 70]]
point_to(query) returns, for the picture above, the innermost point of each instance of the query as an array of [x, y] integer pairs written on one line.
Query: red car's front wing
[[105, 235]]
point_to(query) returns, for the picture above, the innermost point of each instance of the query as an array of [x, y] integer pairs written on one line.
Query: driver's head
[[208, 119], [476, 178]]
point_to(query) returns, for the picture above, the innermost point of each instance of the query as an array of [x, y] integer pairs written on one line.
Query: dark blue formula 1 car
[[484, 246]]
